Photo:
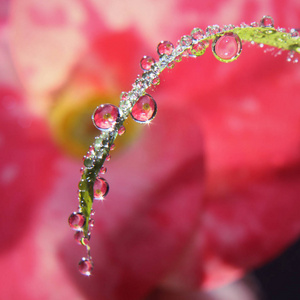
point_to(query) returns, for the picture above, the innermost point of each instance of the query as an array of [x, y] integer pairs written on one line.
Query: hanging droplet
[[81, 239], [112, 147], [101, 188], [144, 109], [91, 223], [76, 220], [165, 47], [171, 65], [197, 34], [198, 49], [156, 81], [147, 62], [121, 130], [108, 157], [103, 170], [105, 116], [227, 47], [267, 21], [86, 266]]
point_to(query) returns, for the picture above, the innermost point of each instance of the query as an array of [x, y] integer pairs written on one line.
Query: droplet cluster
[[226, 43]]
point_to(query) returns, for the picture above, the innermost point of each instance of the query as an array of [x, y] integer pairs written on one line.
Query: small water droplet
[[121, 130], [82, 185], [112, 147], [198, 49], [156, 81], [86, 266], [88, 162], [101, 188], [227, 47], [108, 157], [178, 58], [81, 171], [147, 62], [103, 170], [185, 41], [254, 24], [81, 239], [165, 47], [197, 34], [105, 116], [124, 96], [267, 21], [211, 30], [171, 65], [144, 109], [91, 223], [76, 220], [294, 33]]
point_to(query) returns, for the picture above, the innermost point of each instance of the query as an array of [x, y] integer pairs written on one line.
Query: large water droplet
[[86, 266], [227, 47], [165, 47], [147, 62], [267, 21], [144, 109], [105, 116], [76, 220], [101, 188]]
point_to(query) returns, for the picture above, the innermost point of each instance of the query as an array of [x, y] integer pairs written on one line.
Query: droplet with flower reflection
[[144, 110], [227, 47], [105, 116], [76, 220], [147, 62], [267, 21], [165, 47], [86, 266], [101, 188]]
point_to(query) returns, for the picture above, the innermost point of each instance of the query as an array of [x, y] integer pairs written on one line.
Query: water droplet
[[165, 47], [76, 220], [198, 49], [147, 62], [156, 81], [81, 239], [112, 147], [121, 130], [144, 109], [81, 171], [197, 34], [124, 96], [103, 170], [105, 116], [101, 188], [91, 223], [86, 266], [171, 65], [108, 157], [294, 33], [82, 185], [178, 58], [267, 21], [211, 30], [186, 41], [254, 24], [88, 162], [227, 47]]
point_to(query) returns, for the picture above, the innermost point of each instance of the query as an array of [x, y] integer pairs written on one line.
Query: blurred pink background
[[207, 192]]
